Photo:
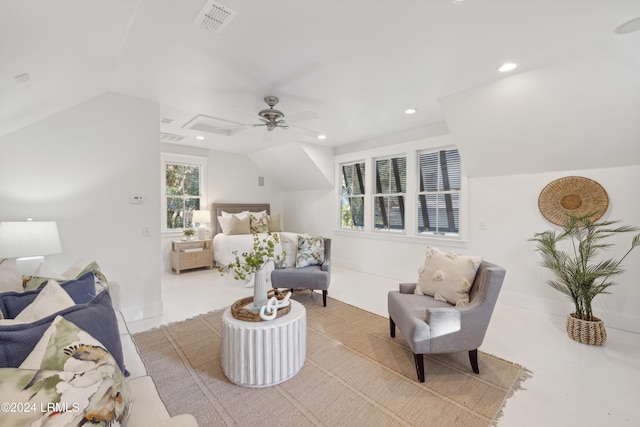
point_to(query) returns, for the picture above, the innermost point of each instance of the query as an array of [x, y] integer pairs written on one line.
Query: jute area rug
[[354, 375]]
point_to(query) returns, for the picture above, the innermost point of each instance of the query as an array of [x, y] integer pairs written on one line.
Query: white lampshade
[[20, 239], [201, 217]]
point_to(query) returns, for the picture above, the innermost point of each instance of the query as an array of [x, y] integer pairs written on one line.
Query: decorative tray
[[243, 308]]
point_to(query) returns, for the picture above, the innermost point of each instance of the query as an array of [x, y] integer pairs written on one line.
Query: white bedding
[[224, 245]]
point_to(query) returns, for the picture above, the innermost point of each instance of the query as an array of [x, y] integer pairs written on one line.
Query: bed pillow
[[239, 226], [274, 223], [310, 251], [51, 299], [10, 277], [96, 317], [239, 215], [259, 224], [447, 276], [72, 368]]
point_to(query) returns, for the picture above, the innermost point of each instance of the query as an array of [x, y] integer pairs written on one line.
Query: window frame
[[362, 179], [378, 193], [445, 193], [181, 159], [411, 150]]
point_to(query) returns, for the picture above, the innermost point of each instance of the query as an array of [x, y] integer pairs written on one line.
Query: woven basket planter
[[586, 331]]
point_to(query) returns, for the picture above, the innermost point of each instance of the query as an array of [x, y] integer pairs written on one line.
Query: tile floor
[[572, 384]]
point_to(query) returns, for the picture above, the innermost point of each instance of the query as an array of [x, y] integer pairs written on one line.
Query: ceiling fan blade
[[298, 117], [308, 132]]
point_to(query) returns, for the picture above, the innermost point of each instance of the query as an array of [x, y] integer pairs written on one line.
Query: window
[[183, 180], [439, 195], [352, 198], [389, 196]]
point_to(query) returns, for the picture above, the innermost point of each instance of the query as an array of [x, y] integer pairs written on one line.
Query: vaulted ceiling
[[573, 102]]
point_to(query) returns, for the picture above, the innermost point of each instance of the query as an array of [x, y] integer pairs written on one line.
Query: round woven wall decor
[[573, 195]]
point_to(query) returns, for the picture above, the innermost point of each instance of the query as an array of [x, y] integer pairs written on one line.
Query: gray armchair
[[314, 277], [431, 326]]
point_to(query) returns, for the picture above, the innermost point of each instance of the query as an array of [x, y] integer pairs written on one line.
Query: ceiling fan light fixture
[[507, 66]]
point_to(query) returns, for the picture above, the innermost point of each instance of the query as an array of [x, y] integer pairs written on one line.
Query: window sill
[[403, 238]]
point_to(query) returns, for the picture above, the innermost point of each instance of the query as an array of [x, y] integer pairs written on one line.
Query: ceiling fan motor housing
[[273, 118]]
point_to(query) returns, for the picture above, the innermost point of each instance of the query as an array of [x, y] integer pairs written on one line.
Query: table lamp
[[28, 242], [201, 218]]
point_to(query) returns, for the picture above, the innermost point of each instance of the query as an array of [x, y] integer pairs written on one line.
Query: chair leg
[[324, 298], [392, 328], [419, 366], [473, 358]]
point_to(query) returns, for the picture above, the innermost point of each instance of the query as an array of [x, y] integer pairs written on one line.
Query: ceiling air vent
[[210, 124], [166, 120], [169, 137], [214, 16]]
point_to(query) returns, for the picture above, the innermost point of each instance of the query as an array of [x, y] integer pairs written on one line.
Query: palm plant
[[577, 274]]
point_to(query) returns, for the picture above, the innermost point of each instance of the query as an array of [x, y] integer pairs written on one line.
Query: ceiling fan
[[273, 119], [270, 117]]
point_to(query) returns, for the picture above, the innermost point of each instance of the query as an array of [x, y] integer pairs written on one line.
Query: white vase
[[260, 288]]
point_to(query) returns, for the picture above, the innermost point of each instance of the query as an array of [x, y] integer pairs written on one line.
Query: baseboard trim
[[624, 321], [133, 314]]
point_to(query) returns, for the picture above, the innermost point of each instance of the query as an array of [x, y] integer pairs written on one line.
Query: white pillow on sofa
[[10, 277], [447, 276], [51, 299]]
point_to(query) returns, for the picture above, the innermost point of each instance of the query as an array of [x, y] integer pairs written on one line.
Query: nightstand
[[187, 254]]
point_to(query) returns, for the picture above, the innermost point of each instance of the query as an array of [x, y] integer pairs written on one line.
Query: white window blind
[[389, 197], [439, 195]]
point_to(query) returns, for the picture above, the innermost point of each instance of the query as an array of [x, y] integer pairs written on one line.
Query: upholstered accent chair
[[432, 326], [314, 277]]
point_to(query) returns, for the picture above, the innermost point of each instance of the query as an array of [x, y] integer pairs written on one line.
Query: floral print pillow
[[310, 251], [68, 379], [259, 224]]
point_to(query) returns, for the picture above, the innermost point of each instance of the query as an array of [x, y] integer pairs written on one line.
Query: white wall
[[507, 205], [231, 178], [79, 168]]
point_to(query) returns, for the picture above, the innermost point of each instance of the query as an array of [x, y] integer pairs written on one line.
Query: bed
[[225, 244], [313, 275]]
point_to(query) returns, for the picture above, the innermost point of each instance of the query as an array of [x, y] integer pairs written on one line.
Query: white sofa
[[148, 409]]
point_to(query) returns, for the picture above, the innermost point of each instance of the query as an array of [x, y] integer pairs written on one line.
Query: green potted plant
[[189, 233], [248, 263], [572, 255]]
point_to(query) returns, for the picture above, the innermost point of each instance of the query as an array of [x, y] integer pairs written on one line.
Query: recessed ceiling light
[[628, 27], [322, 136], [200, 137], [410, 111], [457, 1], [509, 66]]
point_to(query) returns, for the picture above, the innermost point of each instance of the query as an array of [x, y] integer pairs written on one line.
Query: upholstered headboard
[[217, 208]]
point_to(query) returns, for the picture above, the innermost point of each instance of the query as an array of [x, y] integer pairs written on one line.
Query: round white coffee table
[[262, 354]]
